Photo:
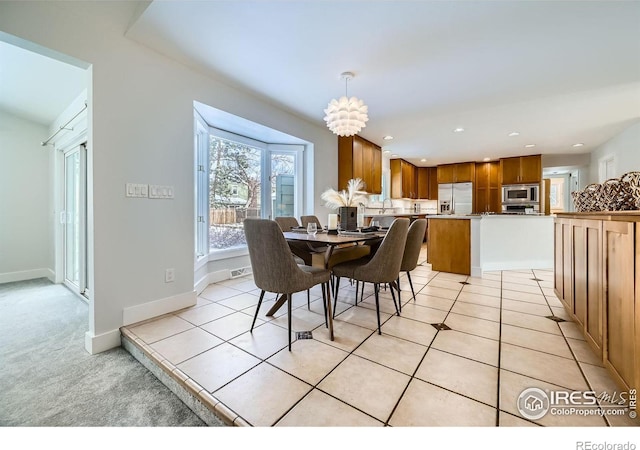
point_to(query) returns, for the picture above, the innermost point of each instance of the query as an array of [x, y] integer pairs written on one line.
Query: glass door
[[73, 219]]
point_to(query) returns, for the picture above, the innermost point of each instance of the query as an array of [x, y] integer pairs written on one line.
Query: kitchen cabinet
[[403, 179], [521, 170], [427, 182], [359, 158], [433, 183], [618, 269], [587, 280], [487, 196], [457, 173], [596, 276]]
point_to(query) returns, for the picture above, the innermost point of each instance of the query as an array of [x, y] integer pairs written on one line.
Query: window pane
[[283, 184], [234, 191]]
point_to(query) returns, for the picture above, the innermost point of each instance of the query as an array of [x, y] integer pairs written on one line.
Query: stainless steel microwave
[[520, 194]]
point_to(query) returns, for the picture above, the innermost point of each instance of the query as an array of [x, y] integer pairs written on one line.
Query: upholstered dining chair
[[412, 248], [306, 220], [274, 270], [383, 267], [287, 222], [300, 249]]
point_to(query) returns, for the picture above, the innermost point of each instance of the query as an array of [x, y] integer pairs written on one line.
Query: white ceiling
[[37, 87], [557, 72]]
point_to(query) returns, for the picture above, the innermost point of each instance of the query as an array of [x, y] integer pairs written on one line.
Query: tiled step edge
[[208, 408]]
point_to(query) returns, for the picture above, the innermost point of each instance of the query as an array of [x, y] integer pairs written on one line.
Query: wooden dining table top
[[331, 239]]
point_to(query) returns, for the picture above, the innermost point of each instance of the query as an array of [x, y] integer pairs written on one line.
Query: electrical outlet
[[169, 275]]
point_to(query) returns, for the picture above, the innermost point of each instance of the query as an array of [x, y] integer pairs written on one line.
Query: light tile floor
[[500, 342]]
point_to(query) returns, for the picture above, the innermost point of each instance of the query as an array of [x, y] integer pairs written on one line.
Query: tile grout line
[[412, 377], [499, 358]]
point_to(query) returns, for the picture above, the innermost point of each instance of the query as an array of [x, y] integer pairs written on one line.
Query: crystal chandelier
[[346, 116]]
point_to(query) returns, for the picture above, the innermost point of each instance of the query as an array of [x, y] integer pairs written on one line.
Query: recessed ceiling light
[[387, 151], [579, 144], [394, 155], [458, 130], [423, 160], [530, 145], [487, 159], [514, 133], [387, 138]]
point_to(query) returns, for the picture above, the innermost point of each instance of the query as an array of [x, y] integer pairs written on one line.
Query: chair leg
[[393, 296], [308, 300], [357, 288], [257, 310], [325, 288], [361, 292], [397, 285], [376, 288], [335, 295], [411, 284], [289, 317]]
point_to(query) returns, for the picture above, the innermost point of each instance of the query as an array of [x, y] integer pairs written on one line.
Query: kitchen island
[[472, 244]]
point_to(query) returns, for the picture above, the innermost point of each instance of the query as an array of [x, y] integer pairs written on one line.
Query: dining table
[[323, 243]]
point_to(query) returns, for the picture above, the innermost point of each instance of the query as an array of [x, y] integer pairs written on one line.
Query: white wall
[[26, 215], [141, 131], [625, 148]]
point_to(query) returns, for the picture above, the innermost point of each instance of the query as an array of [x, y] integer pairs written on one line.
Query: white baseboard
[[102, 342], [518, 265], [27, 275], [212, 277], [159, 307]]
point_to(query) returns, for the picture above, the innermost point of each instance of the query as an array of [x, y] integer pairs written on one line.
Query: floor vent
[[304, 335], [556, 318], [463, 283], [440, 326], [536, 279], [242, 271]]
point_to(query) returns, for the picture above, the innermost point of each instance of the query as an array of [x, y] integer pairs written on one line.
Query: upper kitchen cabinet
[[403, 179], [487, 188], [521, 169], [359, 158], [422, 183], [457, 173], [427, 182]]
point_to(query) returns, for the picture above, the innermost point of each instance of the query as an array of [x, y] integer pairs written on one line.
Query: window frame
[[266, 151]]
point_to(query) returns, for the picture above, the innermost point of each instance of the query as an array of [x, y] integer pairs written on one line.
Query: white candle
[[332, 223]]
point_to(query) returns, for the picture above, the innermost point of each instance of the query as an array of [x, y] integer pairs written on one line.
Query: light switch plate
[[162, 192], [136, 190]]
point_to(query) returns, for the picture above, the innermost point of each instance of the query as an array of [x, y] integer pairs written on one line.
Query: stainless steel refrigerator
[[455, 198]]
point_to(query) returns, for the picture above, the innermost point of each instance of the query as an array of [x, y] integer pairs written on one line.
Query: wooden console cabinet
[[597, 268]]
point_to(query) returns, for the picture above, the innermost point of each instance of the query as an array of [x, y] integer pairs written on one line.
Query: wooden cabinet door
[[395, 166], [620, 353], [422, 183], [367, 164], [510, 170], [563, 262], [464, 172], [433, 183], [408, 180], [482, 200], [593, 245], [445, 173], [531, 169], [376, 184]]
